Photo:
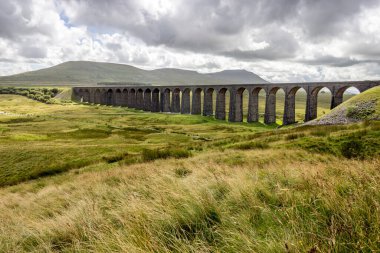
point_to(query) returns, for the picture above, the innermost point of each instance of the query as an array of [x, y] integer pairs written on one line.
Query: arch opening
[[318, 102], [343, 94]]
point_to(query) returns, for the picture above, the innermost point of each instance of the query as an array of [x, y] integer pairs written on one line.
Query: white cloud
[[295, 40]]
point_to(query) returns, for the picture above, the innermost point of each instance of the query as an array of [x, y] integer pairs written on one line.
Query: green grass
[[111, 179], [37, 138]]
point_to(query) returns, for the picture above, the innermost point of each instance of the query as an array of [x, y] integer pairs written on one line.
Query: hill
[[364, 106], [85, 73]]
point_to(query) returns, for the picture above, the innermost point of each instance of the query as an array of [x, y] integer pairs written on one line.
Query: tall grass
[[291, 204], [116, 184]]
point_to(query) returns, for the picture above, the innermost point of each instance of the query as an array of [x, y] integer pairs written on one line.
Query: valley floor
[[80, 178]]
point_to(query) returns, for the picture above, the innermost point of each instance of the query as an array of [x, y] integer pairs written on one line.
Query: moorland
[[90, 178]]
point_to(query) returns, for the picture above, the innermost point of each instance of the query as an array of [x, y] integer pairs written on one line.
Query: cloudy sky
[[281, 40]]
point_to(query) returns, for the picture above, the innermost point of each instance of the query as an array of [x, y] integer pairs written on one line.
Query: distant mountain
[[237, 76], [90, 73]]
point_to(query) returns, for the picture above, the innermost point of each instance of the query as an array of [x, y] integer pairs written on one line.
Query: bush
[[44, 95], [353, 148]]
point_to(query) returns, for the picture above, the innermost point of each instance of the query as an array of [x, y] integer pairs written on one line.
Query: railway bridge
[[188, 99]]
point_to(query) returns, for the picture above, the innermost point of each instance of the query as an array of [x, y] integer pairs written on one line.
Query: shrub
[[54, 90], [353, 148], [43, 95]]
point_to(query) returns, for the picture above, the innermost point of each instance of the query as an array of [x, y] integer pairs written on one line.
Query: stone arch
[[196, 105], [124, 95], [97, 96], [253, 104], [155, 100], [337, 97], [208, 101], [83, 95], [220, 107], [109, 97], [103, 97], [147, 100], [132, 98], [139, 99], [118, 97], [289, 116], [312, 101], [236, 105], [165, 100], [80, 94], [176, 100], [270, 105], [86, 96], [185, 101]]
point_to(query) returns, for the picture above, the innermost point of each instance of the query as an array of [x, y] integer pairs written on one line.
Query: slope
[[364, 106], [85, 72]]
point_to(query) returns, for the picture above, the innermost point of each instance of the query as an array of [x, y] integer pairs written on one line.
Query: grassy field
[[81, 178]]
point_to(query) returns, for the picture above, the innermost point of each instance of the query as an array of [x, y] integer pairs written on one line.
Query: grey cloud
[[32, 52], [332, 61], [368, 49], [282, 45], [113, 46], [322, 18], [15, 21], [213, 26]]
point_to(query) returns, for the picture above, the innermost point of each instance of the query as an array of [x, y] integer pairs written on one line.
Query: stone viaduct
[[187, 99]]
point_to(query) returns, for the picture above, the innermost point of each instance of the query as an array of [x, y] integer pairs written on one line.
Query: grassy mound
[[365, 106]]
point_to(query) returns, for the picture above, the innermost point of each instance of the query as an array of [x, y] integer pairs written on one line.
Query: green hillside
[[364, 106], [85, 73]]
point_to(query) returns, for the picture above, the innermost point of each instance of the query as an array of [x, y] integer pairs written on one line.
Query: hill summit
[[86, 72]]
